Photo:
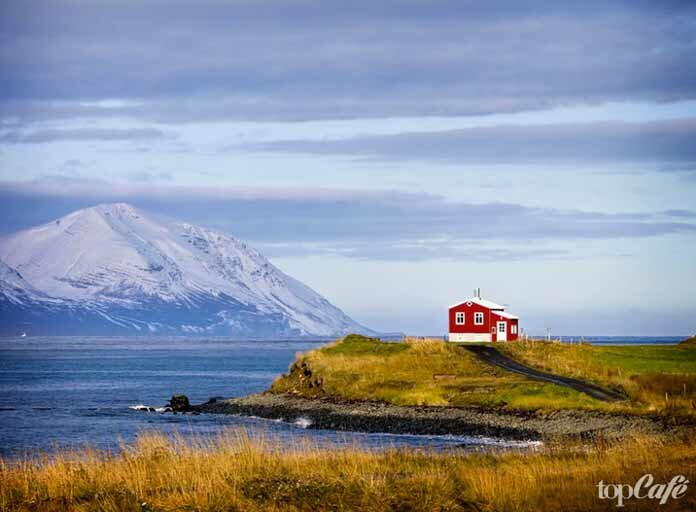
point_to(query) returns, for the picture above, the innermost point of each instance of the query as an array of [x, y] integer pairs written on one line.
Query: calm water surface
[[73, 391]]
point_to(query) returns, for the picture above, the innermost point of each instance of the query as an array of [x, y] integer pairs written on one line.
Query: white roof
[[507, 315], [481, 302]]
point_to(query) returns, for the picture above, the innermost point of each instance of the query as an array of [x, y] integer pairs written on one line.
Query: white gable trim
[[481, 302]]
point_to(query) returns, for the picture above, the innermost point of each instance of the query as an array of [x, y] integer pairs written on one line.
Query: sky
[[392, 155]]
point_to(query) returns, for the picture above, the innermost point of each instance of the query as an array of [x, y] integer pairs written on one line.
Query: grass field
[[690, 342], [233, 473], [657, 379], [418, 372]]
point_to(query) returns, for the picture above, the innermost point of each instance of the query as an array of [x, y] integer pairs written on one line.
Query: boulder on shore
[[179, 403]]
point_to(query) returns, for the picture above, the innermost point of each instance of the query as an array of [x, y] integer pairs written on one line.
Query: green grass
[[356, 345], [689, 342], [659, 379], [419, 372], [642, 359]]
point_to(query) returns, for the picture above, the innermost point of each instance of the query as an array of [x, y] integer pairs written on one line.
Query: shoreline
[[379, 417]]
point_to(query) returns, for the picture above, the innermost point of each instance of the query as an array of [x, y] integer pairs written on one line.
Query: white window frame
[[459, 318], [513, 329], [504, 327], [478, 318]]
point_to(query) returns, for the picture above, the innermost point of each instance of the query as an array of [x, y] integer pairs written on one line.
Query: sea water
[[71, 392]]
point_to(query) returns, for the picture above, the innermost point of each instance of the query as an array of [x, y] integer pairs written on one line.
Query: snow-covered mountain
[[14, 289], [111, 269]]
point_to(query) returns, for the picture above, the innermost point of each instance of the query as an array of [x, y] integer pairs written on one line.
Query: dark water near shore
[[74, 391]]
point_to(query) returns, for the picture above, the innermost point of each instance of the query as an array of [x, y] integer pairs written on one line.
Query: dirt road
[[490, 355]]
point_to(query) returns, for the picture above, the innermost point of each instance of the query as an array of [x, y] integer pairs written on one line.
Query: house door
[[502, 331]]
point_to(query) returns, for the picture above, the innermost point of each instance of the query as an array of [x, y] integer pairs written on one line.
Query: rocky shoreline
[[381, 417]]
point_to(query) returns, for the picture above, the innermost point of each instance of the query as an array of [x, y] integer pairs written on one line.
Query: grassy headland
[[234, 473], [417, 372], [657, 379]]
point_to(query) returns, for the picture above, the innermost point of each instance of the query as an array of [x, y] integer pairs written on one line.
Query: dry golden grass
[[657, 379], [419, 372], [233, 472]]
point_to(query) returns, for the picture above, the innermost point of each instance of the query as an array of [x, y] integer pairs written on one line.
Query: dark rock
[[387, 418], [179, 403]]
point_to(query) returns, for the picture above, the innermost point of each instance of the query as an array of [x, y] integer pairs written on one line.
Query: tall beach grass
[[237, 472]]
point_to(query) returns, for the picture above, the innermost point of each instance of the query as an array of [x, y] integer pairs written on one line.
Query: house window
[[513, 329], [459, 318], [478, 318], [501, 327]]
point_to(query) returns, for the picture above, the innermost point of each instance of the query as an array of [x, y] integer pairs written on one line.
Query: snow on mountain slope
[[15, 289], [113, 258]]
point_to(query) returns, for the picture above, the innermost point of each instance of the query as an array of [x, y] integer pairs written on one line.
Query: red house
[[478, 319]]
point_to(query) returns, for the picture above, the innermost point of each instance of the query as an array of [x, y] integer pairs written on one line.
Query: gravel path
[[491, 356]]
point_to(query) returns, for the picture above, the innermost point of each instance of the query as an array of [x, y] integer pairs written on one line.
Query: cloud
[[414, 250], [386, 225], [682, 214], [656, 141], [149, 176], [302, 60], [74, 163], [82, 134]]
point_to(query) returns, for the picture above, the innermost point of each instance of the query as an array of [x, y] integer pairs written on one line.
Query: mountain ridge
[[111, 264]]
